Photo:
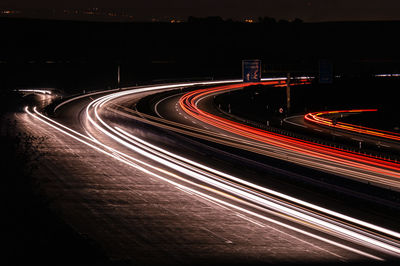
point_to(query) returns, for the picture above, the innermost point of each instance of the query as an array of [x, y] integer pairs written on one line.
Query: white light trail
[[344, 230], [49, 122], [296, 208], [42, 91], [266, 190]]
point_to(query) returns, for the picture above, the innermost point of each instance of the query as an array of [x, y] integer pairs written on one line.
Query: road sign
[[251, 70]]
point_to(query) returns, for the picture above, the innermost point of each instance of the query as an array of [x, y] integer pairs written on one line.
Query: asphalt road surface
[[145, 205]]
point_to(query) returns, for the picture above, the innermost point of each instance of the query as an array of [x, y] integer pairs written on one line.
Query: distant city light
[[9, 11], [249, 20], [74, 13], [175, 20]]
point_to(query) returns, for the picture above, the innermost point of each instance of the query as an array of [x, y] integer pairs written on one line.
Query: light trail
[[42, 91], [186, 162], [194, 173], [154, 153], [73, 134], [240, 143], [388, 75], [319, 119], [232, 188], [388, 170]]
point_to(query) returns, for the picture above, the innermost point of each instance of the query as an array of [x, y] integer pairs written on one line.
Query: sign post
[[118, 76], [288, 92]]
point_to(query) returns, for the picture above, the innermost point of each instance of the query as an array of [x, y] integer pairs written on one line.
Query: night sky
[[308, 11]]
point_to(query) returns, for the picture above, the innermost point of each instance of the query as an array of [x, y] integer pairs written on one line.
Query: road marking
[[212, 201], [384, 145], [250, 220], [184, 190], [293, 123], [227, 241]]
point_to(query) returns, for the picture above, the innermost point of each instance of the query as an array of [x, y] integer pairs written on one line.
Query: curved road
[[194, 109], [146, 204]]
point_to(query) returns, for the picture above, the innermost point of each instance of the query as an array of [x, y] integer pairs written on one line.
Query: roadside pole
[[288, 93], [118, 76]]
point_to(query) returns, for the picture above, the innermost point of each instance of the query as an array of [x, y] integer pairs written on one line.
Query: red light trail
[[317, 118], [189, 103], [221, 188]]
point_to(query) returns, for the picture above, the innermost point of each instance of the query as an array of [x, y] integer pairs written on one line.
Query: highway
[[326, 119], [353, 165], [144, 201]]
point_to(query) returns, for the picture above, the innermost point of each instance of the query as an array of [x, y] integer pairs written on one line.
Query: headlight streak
[[200, 176], [196, 192], [42, 91], [153, 87], [181, 159], [249, 145], [203, 195], [187, 164], [199, 172]]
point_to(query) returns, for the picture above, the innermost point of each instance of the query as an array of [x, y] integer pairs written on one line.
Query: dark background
[[146, 10], [74, 55]]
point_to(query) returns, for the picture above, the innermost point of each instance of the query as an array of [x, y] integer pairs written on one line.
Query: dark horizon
[[126, 18], [307, 11], [60, 53]]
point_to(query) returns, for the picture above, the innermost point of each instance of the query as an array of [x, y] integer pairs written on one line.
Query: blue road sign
[[251, 70]]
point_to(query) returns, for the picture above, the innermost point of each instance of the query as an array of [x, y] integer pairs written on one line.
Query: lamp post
[[288, 92], [118, 76]]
